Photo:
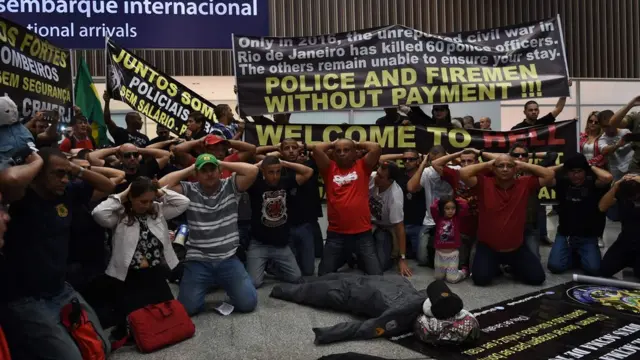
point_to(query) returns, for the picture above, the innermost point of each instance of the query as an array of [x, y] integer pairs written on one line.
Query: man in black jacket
[[392, 304]]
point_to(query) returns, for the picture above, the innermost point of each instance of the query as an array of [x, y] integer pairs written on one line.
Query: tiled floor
[[281, 330]]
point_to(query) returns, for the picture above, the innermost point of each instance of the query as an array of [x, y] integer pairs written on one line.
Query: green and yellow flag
[[88, 99]]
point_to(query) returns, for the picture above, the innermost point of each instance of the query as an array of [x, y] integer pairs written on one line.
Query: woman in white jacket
[[142, 250]]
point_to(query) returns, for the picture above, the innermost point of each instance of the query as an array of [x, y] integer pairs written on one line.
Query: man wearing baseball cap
[[212, 218]]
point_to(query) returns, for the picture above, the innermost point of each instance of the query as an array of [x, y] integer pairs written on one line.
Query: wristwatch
[[80, 173], [402, 257]]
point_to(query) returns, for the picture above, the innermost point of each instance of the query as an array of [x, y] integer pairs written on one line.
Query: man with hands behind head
[[36, 251], [502, 207], [212, 217], [270, 219], [346, 180]]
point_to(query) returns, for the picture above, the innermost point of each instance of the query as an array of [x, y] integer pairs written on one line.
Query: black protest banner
[[35, 74], [151, 92], [396, 65], [561, 137], [547, 324]]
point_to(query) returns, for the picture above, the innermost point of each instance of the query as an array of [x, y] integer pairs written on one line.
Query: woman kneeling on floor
[[142, 252]]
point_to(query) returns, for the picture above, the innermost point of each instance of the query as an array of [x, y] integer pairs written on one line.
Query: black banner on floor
[[396, 65], [561, 137], [153, 93], [35, 74], [568, 321]]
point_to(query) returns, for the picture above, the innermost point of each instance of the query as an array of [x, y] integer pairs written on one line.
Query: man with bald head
[[346, 180], [134, 161], [485, 123], [502, 208], [120, 135]]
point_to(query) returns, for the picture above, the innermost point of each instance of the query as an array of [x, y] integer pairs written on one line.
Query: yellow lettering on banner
[[269, 135], [129, 95], [293, 131], [395, 77], [437, 134], [42, 88], [9, 79], [322, 101], [460, 75], [406, 136], [43, 50], [449, 93], [384, 138], [151, 111], [310, 83], [8, 34], [466, 138], [326, 134], [362, 133]]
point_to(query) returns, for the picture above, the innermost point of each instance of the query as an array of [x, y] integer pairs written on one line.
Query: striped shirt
[[213, 221]]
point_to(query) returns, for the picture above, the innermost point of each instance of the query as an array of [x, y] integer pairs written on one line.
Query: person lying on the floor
[[625, 251], [579, 187], [390, 303]]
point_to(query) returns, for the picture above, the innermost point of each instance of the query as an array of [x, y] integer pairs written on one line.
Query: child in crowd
[[447, 214]]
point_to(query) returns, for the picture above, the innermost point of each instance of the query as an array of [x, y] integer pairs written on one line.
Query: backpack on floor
[[76, 320]]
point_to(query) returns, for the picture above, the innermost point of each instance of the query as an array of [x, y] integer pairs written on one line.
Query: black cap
[[444, 303]]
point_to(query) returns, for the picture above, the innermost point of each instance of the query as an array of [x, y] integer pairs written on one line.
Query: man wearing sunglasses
[[502, 209], [36, 251], [135, 162]]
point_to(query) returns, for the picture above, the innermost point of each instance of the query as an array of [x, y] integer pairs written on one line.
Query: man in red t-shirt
[[502, 208], [80, 138], [346, 181]]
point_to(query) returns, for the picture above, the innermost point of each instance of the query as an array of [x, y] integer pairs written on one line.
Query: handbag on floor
[[76, 321], [156, 326]]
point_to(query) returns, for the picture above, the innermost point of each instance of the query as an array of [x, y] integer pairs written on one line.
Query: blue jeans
[[301, 240], [412, 233], [564, 247], [33, 329], [486, 265], [384, 247], [532, 239], [339, 247], [542, 221], [200, 276], [284, 263]]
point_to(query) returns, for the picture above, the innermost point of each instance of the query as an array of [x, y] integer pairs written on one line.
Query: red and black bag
[[156, 326], [4, 347], [76, 321]]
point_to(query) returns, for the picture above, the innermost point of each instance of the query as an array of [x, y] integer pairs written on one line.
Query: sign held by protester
[[559, 137], [396, 65], [157, 24], [35, 74], [152, 93]]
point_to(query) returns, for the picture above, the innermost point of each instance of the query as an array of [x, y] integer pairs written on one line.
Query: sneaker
[[601, 242], [465, 271]]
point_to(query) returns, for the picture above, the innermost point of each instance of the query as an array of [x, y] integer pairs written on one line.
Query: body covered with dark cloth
[[390, 303]]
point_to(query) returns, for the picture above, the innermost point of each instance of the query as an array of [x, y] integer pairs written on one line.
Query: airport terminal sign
[[396, 65], [35, 74], [146, 24]]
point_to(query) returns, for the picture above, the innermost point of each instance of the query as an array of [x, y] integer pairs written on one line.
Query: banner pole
[[74, 75], [106, 64]]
